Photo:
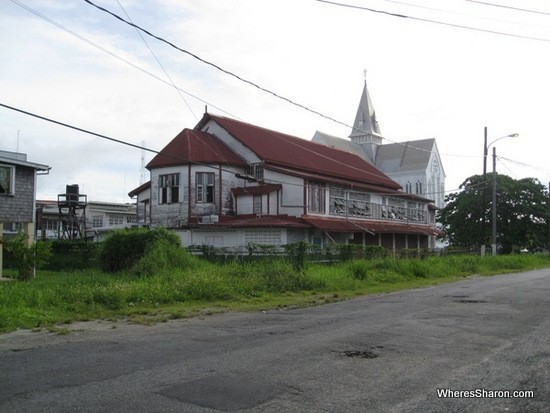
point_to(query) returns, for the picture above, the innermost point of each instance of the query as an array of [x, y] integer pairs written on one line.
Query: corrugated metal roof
[[289, 151], [195, 146], [376, 227]]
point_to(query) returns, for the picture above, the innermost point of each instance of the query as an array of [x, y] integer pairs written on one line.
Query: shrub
[[296, 254], [160, 256], [27, 257], [123, 249], [73, 255], [359, 270]]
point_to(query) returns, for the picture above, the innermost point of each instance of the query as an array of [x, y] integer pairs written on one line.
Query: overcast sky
[[71, 62]]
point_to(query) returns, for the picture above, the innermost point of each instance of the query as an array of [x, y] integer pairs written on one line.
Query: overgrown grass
[[169, 283]]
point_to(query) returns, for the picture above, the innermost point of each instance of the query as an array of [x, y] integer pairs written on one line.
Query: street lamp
[[494, 203], [486, 147]]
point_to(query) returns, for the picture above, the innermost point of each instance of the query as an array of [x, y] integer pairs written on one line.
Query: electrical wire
[[457, 13], [242, 79], [508, 7], [159, 63], [403, 16], [93, 44], [141, 147]]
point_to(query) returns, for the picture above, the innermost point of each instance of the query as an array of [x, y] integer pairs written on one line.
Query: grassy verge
[[199, 287]]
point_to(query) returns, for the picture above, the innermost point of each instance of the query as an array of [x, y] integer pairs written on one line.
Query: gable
[[194, 146]]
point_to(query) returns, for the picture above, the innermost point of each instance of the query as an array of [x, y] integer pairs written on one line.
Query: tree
[[522, 214]]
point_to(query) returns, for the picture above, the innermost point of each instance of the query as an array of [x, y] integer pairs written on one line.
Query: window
[[169, 187], [316, 198], [255, 170], [349, 203], [257, 204], [97, 221], [204, 182], [337, 201], [7, 175], [114, 220], [359, 204], [418, 187], [408, 188]]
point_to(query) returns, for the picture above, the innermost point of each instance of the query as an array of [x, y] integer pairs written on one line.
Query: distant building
[[99, 218], [17, 195]]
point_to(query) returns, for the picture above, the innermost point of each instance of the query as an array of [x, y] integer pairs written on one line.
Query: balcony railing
[[360, 209]]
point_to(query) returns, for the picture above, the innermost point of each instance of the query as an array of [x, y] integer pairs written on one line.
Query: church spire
[[366, 130]]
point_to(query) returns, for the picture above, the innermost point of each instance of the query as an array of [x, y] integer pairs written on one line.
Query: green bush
[[162, 255], [27, 258], [123, 249], [360, 270], [73, 255], [296, 254]]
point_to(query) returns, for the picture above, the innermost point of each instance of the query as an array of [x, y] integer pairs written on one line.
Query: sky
[[427, 78]]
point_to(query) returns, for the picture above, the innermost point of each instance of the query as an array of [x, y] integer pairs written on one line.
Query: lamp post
[[485, 152]]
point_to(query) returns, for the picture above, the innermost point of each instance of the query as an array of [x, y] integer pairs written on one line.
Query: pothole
[[362, 354], [470, 301]]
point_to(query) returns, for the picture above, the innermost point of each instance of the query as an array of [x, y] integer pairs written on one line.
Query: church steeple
[[366, 130]]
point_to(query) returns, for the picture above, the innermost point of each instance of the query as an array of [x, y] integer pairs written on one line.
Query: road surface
[[384, 353]]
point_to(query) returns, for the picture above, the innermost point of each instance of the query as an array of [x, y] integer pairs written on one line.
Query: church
[[415, 165]]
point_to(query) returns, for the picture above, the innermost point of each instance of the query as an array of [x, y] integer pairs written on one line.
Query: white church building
[[415, 165]]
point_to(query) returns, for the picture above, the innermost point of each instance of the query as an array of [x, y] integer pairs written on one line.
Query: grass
[[194, 287]]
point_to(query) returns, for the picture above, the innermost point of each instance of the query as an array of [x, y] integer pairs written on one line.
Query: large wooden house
[[228, 183]]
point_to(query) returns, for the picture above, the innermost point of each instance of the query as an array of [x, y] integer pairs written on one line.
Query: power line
[[395, 193], [159, 63], [91, 43], [460, 26], [238, 77], [227, 72], [455, 13], [508, 7]]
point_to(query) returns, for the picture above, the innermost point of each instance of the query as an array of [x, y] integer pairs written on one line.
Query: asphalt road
[[383, 353]]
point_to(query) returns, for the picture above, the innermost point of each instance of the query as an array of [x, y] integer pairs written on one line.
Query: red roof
[[373, 227], [279, 149], [194, 146]]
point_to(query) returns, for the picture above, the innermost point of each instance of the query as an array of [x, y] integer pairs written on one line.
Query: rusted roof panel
[[289, 151], [194, 146], [371, 226]]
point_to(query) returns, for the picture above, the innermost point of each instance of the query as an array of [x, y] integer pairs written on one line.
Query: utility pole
[[483, 193], [494, 242]]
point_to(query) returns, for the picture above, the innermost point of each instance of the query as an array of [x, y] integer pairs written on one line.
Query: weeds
[[167, 282]]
